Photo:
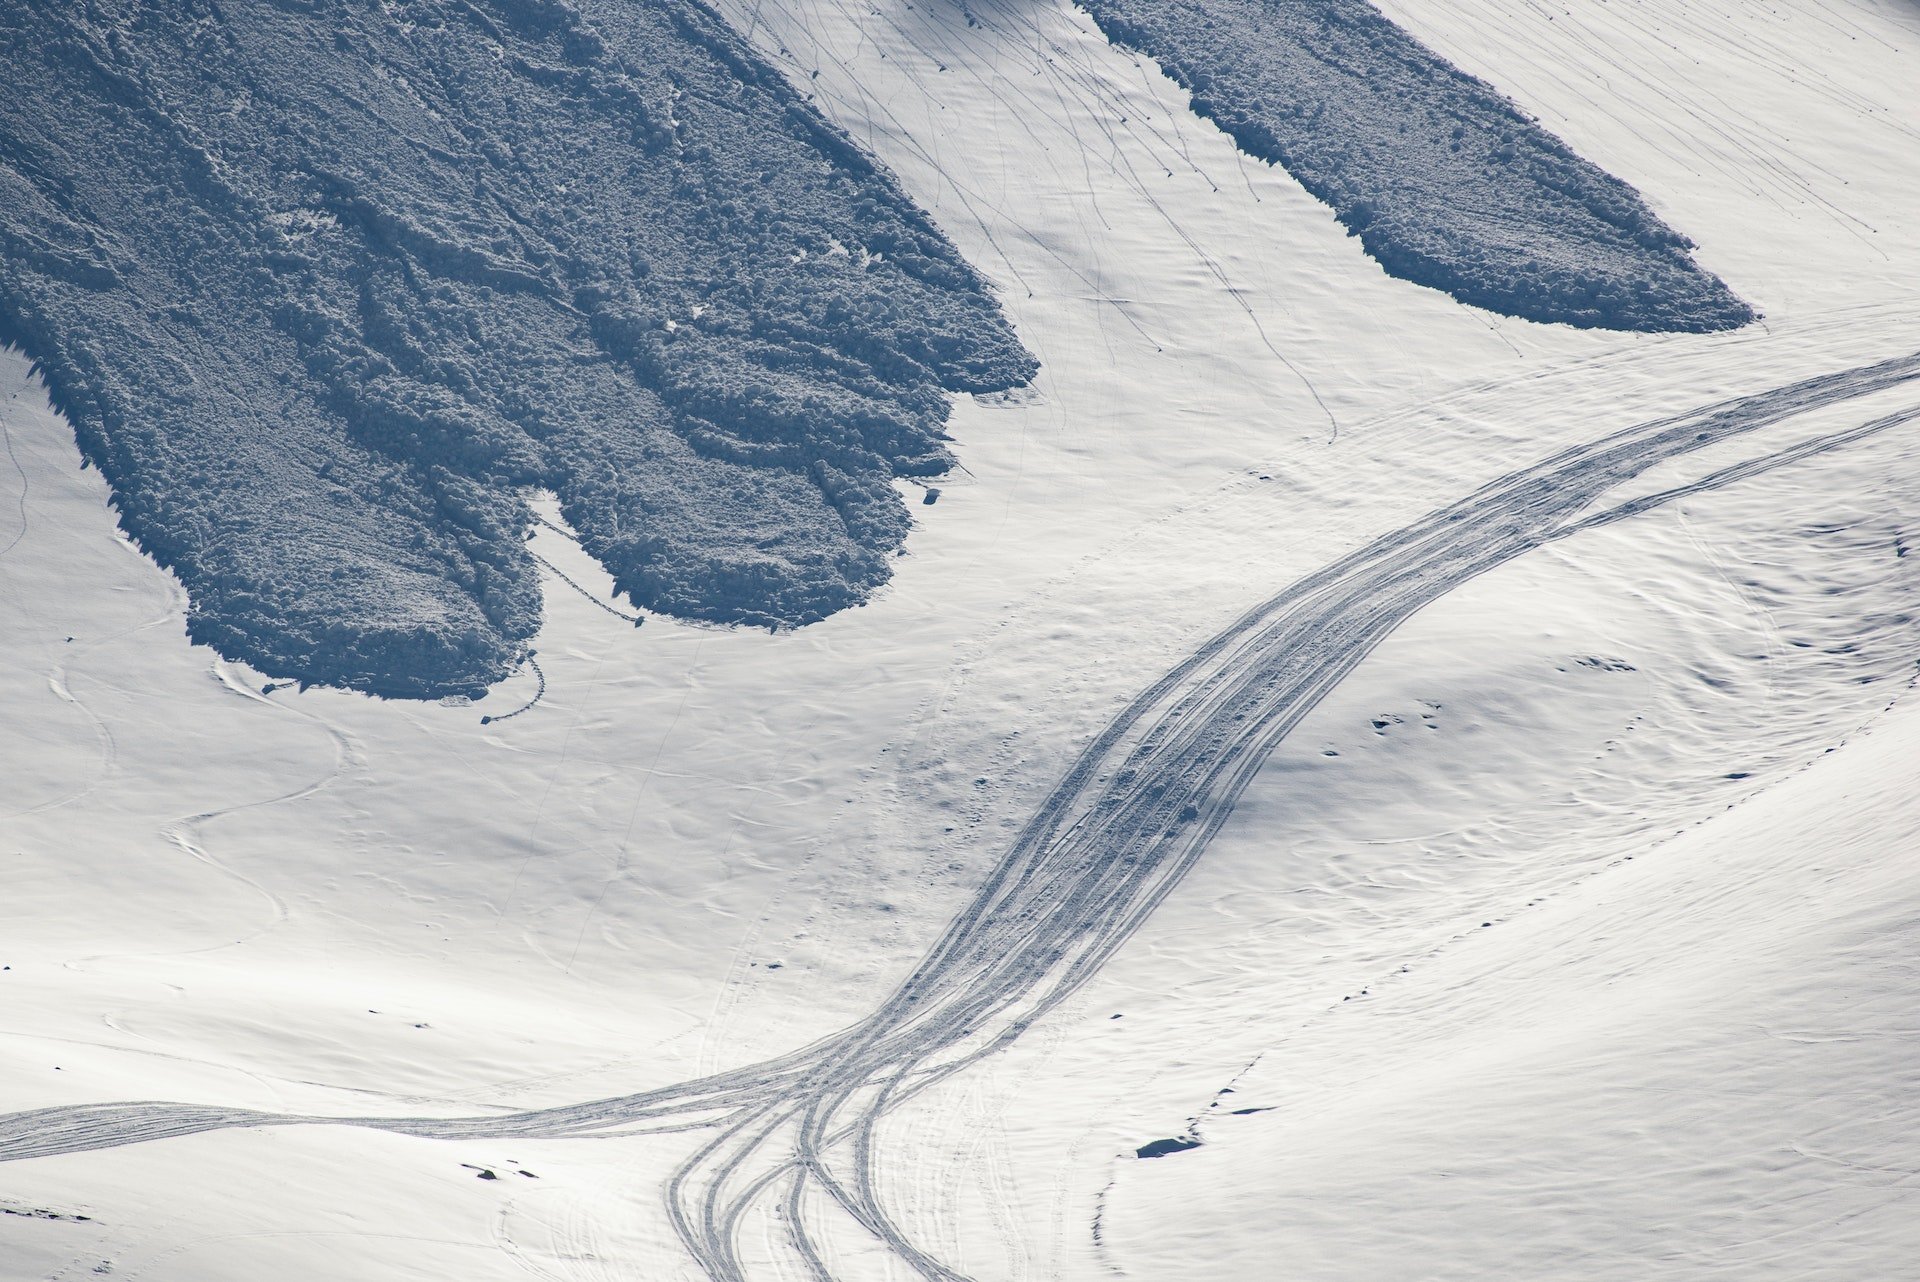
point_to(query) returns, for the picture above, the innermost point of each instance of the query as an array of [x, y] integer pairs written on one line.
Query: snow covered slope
[[326, 904], [1700, 1064]]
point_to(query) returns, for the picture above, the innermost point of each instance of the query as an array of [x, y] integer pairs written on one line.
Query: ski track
[[797, 1134]]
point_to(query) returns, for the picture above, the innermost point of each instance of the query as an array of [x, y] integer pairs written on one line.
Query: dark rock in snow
[[326, 286], [1160, 1148]]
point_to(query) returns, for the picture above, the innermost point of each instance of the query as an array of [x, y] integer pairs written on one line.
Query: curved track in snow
[[794, 1138]]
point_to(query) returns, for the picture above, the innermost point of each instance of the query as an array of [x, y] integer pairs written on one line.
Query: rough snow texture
[[1444, 181], [326, 287]]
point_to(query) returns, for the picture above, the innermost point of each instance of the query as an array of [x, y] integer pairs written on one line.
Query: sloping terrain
[[1445, 181], [1696, 1066], [326, 289], [1130, 818], [1562, 937]]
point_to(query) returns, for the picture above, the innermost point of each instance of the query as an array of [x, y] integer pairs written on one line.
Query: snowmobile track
[[1117, 834]]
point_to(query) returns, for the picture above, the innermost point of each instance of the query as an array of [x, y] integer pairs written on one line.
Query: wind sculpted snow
[[327, 288], [1446, 183]]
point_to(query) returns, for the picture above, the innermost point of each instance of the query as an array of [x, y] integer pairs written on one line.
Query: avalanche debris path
[[796, 1136]]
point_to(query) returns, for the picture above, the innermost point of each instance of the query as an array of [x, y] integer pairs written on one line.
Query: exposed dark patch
[[1160, 1148], [1444, 181], [326, 285], [43, 1213]]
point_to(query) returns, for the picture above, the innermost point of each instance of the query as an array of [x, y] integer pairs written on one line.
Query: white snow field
[[1569, 937]]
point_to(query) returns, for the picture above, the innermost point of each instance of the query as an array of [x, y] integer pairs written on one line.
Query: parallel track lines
[[1118, 833]]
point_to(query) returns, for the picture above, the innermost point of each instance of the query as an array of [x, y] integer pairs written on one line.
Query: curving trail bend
[[794, 1138]]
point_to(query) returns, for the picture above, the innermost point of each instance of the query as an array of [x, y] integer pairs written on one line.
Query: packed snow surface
[[1554, 929]]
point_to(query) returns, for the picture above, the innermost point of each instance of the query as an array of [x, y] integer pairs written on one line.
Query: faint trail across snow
[[567, 579], [796, 1137], [6, 436], [182, 833]]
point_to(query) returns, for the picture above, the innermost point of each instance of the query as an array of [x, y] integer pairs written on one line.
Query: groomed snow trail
[[1113, 839]]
